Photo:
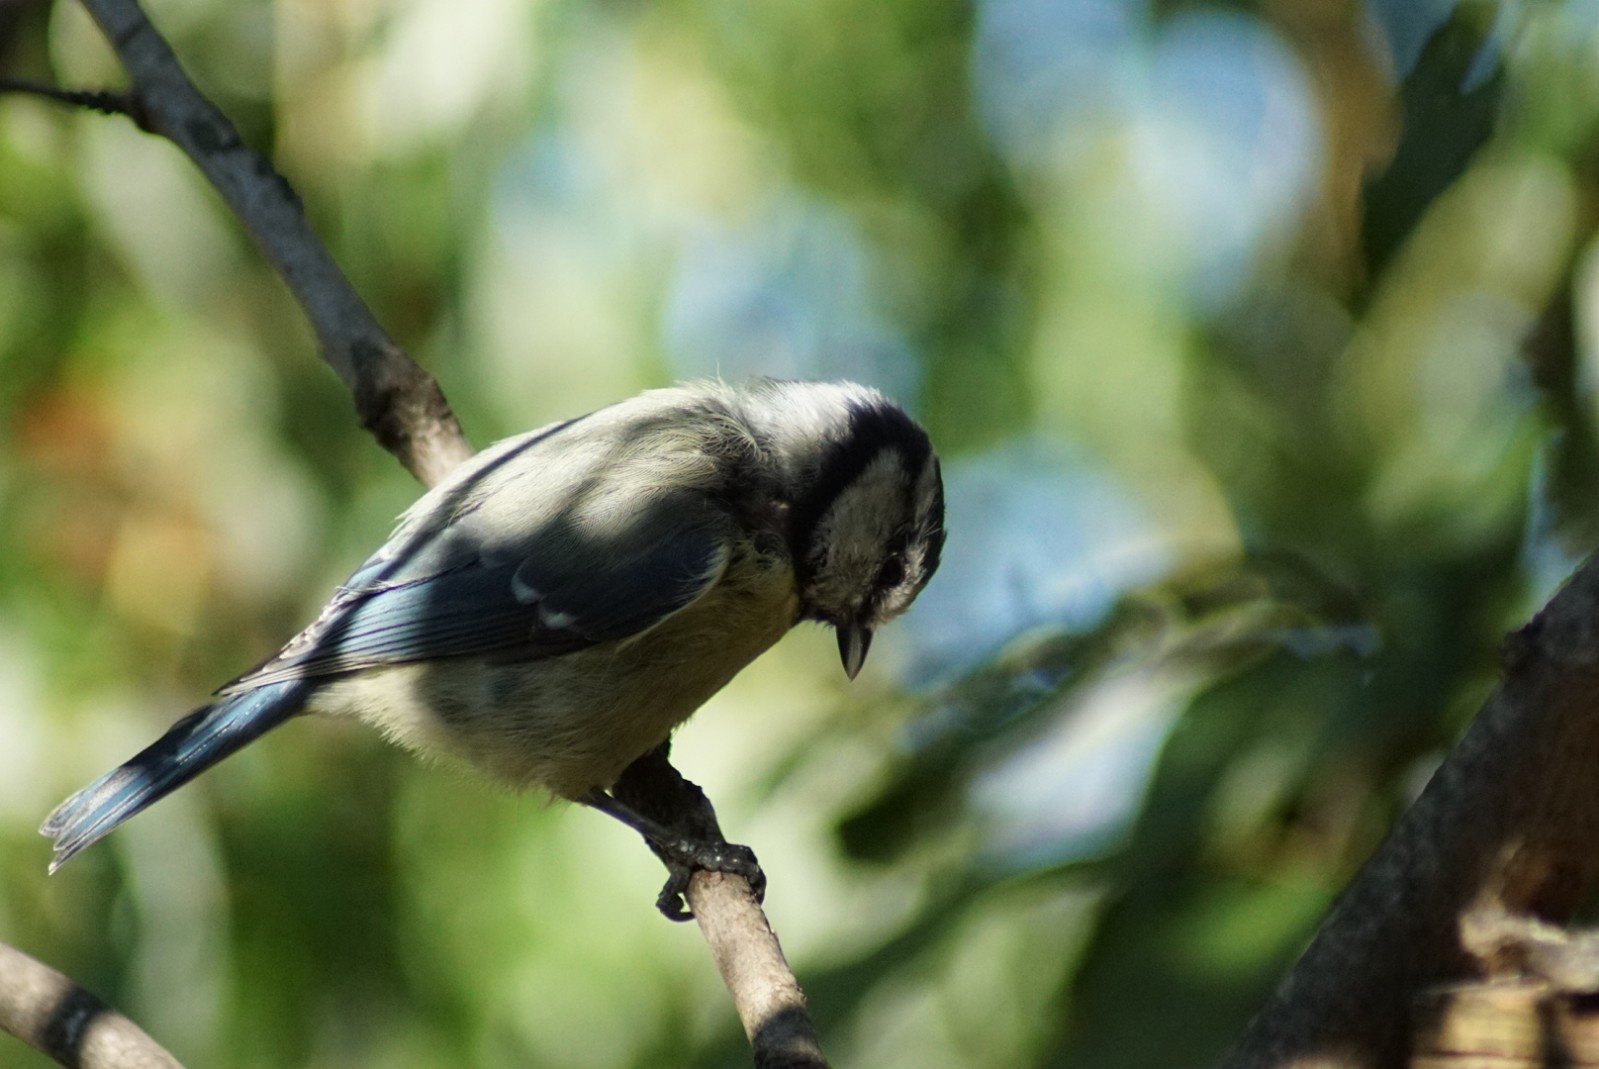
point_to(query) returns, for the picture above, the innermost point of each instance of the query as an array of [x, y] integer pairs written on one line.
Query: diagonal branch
[[1507, 824], [397, 401], [769, 1001]]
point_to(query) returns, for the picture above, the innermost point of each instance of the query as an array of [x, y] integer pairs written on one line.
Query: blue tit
[[566, 598]]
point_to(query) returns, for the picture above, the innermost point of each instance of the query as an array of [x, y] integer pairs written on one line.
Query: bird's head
[[866, 526]]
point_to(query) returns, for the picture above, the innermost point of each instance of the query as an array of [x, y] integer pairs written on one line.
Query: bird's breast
[[573, 722]]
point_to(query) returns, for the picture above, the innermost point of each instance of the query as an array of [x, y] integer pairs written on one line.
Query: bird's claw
[[673, 899], [684, 857]]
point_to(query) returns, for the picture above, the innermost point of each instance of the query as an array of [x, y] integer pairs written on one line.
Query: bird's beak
[[853, 642]]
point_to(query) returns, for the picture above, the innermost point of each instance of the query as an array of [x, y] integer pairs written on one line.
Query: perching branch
[[769, 1001], [49, 1012], [405, 410], [1509, 824]]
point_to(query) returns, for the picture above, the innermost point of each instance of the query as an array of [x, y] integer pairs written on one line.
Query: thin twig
[[52, 1014], [105, 101]]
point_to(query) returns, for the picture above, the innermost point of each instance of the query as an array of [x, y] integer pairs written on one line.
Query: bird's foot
[[684, 857], [680, 826]]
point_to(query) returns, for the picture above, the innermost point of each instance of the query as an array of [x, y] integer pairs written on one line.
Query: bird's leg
[[679, 824]]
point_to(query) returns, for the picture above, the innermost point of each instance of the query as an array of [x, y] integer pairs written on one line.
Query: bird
[[565, 598]]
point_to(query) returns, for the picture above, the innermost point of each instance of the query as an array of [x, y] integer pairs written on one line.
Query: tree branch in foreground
[[405, 410], [397, 401], [52, 1014], [769, 1001], [1509, 823]]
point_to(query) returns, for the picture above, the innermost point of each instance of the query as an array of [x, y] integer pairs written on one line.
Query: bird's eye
[[892, 573]]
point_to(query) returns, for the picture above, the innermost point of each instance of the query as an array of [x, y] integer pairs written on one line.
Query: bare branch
[[397, 401], [1508, 823], [769, 1001], [765, 993], [49, 1012]]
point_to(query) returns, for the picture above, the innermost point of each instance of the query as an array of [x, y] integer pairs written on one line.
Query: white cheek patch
[[861, 518], [921, 550], [855, 530]]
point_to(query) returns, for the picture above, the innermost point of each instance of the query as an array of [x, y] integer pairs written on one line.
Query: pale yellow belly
[[574, 722]]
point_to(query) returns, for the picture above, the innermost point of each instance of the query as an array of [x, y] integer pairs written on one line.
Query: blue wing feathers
[[468, 610], [549, 602], [189, 747], [632, 593]]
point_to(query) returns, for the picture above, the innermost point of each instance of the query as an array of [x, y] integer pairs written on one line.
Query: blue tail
[[191, 746]]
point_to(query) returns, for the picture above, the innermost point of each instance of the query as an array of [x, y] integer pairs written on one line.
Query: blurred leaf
[[1214, 622], [1450, 108]]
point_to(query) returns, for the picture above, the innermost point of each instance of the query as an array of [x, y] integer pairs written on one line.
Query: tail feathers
[[189, 747]]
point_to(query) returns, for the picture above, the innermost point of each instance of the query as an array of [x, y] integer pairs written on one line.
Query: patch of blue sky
[[789, 294], [1228, 144], [1224, 131], [1043, 67], [1040, 536], [1075, 790]]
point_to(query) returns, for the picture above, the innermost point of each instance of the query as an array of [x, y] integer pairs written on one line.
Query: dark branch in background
[[405, 410], [52, 1014], [1508, 825]]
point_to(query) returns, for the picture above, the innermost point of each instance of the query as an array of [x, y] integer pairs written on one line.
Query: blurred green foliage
[[1258, 340]]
